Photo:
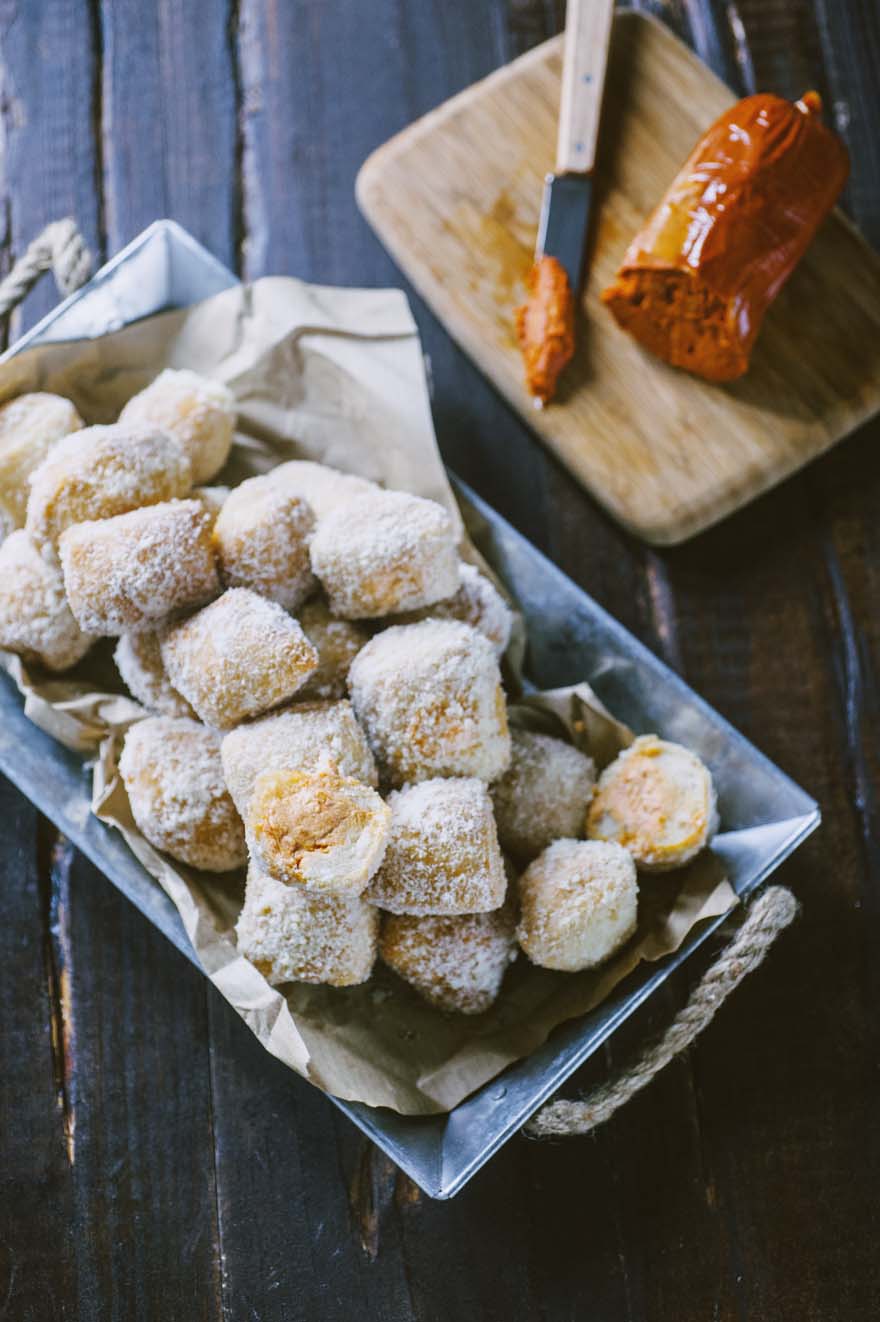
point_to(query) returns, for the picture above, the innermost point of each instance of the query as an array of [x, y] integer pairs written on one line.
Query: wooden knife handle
[[587, 34]]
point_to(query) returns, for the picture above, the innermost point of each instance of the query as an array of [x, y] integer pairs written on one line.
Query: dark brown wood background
[[154, 1162]]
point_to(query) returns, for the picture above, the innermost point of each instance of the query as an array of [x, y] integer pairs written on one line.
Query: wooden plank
[[850, 41], [49, 63], [145, 1194], [456, 197], [168, 122], [36, 1189], [292, 1246]]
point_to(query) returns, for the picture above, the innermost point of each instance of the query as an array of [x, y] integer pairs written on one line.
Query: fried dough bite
[[101, 472], [310, 736], [29, 426], [383, 553], [456, 963], [443, 855], [237, 657], [656, 799], [579, 902], [35, 618], [430, 699], [139, 662], [199, 412], [295, 935], [171, 768], [324, 488], [262, 539], [316, 829], [543, 794], [477, 603], [338, 643], [132, 570]]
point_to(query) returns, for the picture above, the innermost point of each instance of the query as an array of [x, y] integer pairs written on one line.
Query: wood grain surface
[[202, 1180], [455, 198]]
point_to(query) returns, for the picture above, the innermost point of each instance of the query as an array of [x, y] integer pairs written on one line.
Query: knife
[[565, 207]]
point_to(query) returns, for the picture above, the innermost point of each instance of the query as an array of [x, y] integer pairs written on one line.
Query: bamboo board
[[455, 198]]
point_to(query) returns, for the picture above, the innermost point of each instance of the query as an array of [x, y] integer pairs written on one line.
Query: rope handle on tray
[[59, 248], [766, 918]]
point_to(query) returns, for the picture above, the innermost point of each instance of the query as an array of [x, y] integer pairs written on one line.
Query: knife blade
[[564, 222], [565, 206]]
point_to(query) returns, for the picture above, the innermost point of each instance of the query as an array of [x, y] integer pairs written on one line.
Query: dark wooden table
[[154, 1162]]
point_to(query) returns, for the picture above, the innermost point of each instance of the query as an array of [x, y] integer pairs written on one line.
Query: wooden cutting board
[[455, 198]]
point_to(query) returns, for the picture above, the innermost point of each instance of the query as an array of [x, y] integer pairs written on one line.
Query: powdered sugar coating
[[29, 426], [477, 603], [139, 662], [172, 771], [338, 643], [579, 903], [199, 412], [237, 657], [543, 795], [317, 830], [430, 699], [656, 799], [262, 539], [132, 570], [324, 488], [456, 963], [35, 618], [306, 737], [385, 552], [292, 935], [443, 855], [101, 472]]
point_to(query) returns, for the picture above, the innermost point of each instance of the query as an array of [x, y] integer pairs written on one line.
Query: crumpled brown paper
[[337, 376]]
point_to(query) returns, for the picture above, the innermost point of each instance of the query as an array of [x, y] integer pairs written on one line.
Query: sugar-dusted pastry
[[306, 737], [199, 412], [139, 662], [262, 540], [543, 794], [29, 426], [578, 902], [35, 618], [430, 699], [323, 487], [385, 552], [132, 570], [237, 657], [443, 855], [103, 471], [477, 603], [338, 643], [294, 935], [456, 963], [658, 801], [212, 499], [172, 771], [317, 830]]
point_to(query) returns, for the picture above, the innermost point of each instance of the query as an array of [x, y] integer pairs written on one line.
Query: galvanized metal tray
[[764, 814]]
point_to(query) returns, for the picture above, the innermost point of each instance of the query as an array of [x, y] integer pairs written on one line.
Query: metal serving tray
[[765, 814]]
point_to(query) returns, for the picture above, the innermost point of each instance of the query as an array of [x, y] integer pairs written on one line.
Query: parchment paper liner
[[334, 375]]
